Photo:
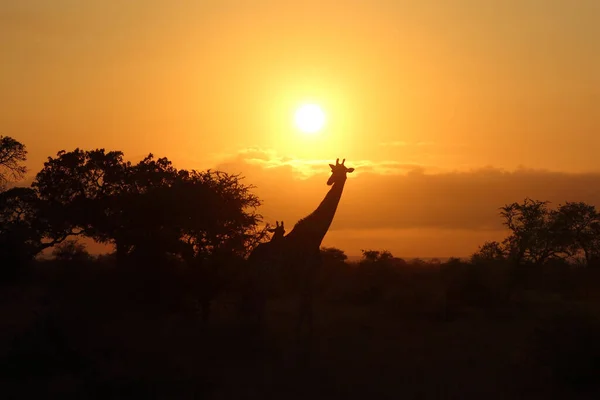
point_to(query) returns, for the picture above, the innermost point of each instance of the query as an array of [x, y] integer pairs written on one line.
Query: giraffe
[[262, 262], [267, 250], [301, 247], [297, 255], [278, 232]]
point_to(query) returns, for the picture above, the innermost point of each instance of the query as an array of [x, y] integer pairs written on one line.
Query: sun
[[309, 118]]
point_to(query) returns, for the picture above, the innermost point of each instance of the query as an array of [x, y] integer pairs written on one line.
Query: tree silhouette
[[489, 252], [71, 251], [80, 191], [12, 154], [539, 234], [151, 213], [376, 256], [21, 231], [333, 256], [18, 239], [149, 208], [579, 225], [535, 236]]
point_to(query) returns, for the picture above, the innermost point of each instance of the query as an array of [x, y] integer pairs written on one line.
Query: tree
[[579, 226], [220, 213], [20, 230], [372, 256], [535, 236], [489, 252], [150, 208], [152, 211], [333, 256], [71, 251], [12, 154], [79, 190], [24, 230]]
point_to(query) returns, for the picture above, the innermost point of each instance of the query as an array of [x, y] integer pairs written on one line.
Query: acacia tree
[[372, 256], [20, 240], [333, 256], [151, 210], [77, 189], [535, 236], [150, 207], [71, 251], [579, 225], [12, 154], [24, 232], [489, 252], [538, 233]]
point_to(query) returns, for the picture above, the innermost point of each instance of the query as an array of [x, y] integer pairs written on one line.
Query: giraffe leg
[[302, 314], [304, 331]]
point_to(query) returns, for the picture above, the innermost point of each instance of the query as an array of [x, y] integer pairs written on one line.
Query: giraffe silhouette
[[302, 254], [278, 232], [262, 262], [297, 255]]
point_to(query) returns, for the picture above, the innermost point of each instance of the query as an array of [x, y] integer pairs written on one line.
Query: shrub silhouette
[[12, 154], [567, 344], [71, 251], [127, 322], [150, 208]]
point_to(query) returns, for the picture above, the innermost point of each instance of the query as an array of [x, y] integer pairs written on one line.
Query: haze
[[447, 109]]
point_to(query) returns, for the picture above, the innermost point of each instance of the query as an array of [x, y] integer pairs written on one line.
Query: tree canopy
[[149, 208], [537, 234], [150, 205], [12, 154]]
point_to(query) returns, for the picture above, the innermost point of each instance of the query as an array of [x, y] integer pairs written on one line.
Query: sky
[[447, 109]]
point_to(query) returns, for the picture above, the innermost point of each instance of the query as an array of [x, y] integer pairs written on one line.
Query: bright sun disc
[[310, 118]]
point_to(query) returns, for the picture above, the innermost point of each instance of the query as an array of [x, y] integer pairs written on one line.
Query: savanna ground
[[520, 319], [383, 329]]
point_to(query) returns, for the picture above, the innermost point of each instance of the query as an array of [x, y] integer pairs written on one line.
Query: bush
[[71, 251], [568, 345]]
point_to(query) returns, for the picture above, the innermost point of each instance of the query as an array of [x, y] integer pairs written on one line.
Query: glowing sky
[[419, 95]]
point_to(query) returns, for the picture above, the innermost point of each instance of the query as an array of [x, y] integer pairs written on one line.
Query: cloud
[[305, 168], [19, 19], [397, 143], [400, 143], [393, 195], [456, 200]]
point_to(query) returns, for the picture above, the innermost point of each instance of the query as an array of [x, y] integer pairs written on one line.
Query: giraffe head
[[338, 172], [278, 231]]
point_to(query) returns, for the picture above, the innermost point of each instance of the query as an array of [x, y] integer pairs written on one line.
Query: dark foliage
[[150, 208], [12, 154], [158, 318]]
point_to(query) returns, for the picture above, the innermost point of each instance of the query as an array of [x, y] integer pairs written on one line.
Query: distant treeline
[[181, 240], [152, 208]]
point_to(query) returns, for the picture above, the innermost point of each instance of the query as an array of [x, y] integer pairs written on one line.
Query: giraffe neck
[[312, 229]]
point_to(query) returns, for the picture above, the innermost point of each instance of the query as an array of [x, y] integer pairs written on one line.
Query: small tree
[[20, 230], [12, 154], [150, 208], [334, 273], [579, 227], [535, 236], [372, 256], [71, 251], [489, 252], [333, 256]]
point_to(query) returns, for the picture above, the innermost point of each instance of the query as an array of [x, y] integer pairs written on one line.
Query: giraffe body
[[263, 261], [297, 256]]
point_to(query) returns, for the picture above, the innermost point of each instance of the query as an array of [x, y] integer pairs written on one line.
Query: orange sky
[[448, 109]]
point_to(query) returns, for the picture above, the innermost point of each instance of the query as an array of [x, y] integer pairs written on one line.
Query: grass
[[104, 335]]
